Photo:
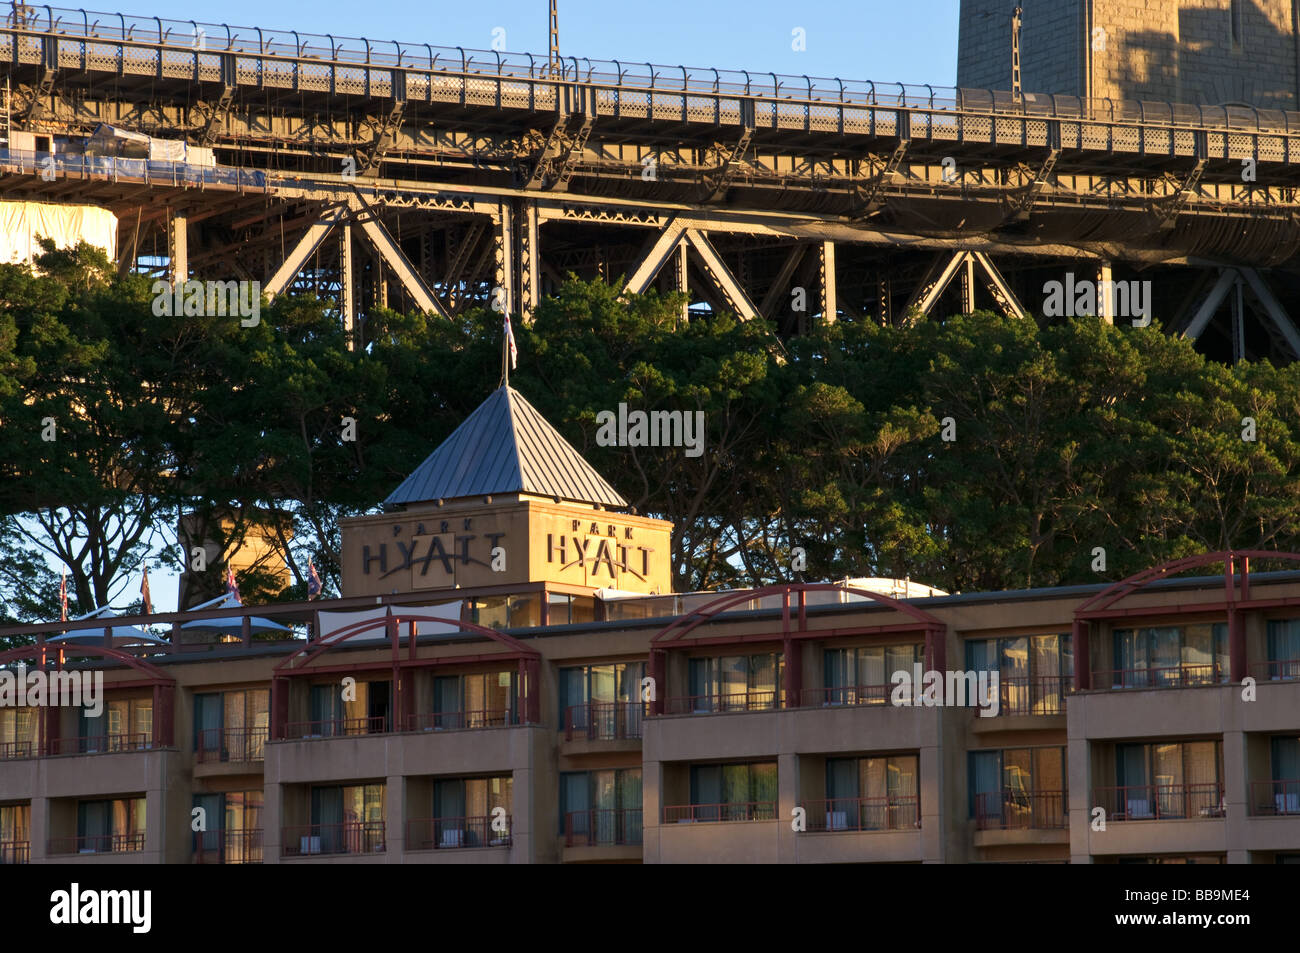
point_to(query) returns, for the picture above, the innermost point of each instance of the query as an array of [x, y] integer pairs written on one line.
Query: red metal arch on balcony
[[1236, 597], [794, 627], [298, 663], [163, 685]]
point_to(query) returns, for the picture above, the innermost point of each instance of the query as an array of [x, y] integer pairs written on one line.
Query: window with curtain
[[1017, 788], [347, 819], [733, 792], [17, 732], [737, 682], [232, 726], [1034, 672], [1169, 780], [111, 825], [15, 837], [1170, 656], [463, 811], [604, 700], [862, 675], [1283, 648], [872, 793], [476, 700], [600, 808]]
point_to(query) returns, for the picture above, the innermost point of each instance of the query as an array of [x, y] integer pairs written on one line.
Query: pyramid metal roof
[[505, 446]]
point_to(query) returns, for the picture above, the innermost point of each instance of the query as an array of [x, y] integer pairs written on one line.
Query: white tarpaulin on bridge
[[22, 223]]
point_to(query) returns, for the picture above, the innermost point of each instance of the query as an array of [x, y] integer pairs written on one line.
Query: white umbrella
[[230, 625], [122, 634]]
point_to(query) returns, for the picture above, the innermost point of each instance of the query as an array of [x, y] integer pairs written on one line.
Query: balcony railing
[[351, 837], [847, 695], [602, 828], [1015, 810], [1169, 676], [1037, 695], [454, 833], [15, 852], [450, 720], [336, 728], [12, 750], [735, 811], [1161, 802], [228, 846], [1276, 670], [98, 844], [712, 704], [604, 721], [1271, 798], [99, 744], [231, 744], [890, 813]]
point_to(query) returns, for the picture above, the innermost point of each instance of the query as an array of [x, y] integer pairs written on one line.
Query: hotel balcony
[[1275, 798], [603, 727], [15, 852], [606, 835], [851, 830], [1018, 818], [459, 833], [230, 750], [228, 846], [132, 843], [355, 838]]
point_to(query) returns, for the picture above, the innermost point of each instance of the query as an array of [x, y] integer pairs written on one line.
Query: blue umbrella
[[230, 625]]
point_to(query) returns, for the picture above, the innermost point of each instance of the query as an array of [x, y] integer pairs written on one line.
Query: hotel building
[[508, 678]]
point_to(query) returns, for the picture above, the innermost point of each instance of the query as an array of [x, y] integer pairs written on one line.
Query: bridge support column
[[178, 253], [968, 284], [826, 274], [1106, 294], [347, 290], [681, 266], [530, 262], [503, 271]]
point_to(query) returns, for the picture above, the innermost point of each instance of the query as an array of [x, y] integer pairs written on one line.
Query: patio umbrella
[[122, 634], [230, 625]]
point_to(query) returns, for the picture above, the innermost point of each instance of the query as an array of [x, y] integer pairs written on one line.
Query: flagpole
[[505, 357]]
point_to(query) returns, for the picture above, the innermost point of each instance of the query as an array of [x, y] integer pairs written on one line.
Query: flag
[[313, 580], [144, 591], [63, 596], [510, 341], [232, 587]]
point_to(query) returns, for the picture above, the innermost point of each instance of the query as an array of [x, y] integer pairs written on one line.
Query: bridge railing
[[196, 38]]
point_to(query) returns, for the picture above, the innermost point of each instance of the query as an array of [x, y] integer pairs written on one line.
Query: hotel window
[[346, 820], [871, 794], [110, 826], [234, 828], [1284, 790], [369, 711], [507, 612], [463, 811], [1283, 648], [737, 683], [603, 701], [231, 726], [1017, 788], [15, 833], [730, 792], [863, 675], [564, 609], [1175, 780], [600, 808], [17, 732], [1170, 656], [1034, 672], [483, 700], [123, 725]]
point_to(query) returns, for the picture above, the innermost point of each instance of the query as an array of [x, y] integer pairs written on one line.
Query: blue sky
[[914, 42]]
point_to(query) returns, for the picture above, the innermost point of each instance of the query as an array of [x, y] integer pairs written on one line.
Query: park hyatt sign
[[504, 543]]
